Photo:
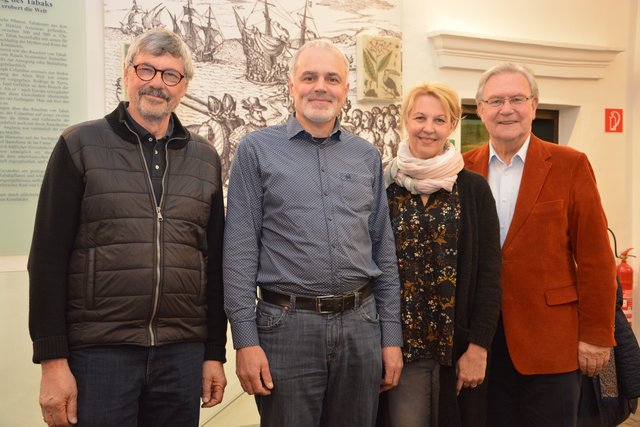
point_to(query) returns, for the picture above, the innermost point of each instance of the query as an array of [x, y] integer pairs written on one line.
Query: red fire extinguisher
[[625, 274]]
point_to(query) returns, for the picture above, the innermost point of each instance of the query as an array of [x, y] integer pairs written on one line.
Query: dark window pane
[[473, 133]]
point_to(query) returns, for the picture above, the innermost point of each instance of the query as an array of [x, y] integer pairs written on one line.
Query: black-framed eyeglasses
[[515, 101], [146, 73]]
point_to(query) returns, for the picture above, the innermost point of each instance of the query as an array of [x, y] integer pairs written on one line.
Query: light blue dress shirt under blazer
[[504, 181]]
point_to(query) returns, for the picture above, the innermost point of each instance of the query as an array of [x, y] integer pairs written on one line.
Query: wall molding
[[560, 60]]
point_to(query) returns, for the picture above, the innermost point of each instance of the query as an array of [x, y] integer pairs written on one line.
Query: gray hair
[[160, 41], [504, 69], [319, 44]]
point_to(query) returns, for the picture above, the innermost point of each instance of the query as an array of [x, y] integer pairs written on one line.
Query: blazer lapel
[[536, 169]]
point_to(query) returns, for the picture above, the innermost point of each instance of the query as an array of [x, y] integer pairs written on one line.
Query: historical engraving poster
[[242, 49]]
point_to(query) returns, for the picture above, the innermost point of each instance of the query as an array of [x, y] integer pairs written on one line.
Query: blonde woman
[[447, 242]]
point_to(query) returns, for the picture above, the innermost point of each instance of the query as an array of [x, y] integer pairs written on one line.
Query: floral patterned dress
[[426, 245]]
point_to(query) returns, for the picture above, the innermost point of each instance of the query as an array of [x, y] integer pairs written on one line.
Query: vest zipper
[[159, 219], [156, 291]]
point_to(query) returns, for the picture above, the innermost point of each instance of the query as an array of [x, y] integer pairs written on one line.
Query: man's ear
[[125, 76]]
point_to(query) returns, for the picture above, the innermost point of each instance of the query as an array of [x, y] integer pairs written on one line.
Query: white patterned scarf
[[424, 176]]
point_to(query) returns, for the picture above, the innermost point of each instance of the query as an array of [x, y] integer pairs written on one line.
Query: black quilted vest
[[137, 273]]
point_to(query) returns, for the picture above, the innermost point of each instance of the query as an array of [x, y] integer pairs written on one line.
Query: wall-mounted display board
[[43, 86]]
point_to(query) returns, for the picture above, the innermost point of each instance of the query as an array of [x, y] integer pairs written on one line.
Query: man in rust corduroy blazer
[[558, 271]]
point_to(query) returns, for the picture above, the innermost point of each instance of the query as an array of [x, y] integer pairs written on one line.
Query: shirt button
[[150, 139], [157, 167], [329, 219], [326, 193], [155, 151]]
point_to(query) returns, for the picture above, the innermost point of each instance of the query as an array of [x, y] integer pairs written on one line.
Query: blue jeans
[[138, 386], [414, 402], [326, 368]]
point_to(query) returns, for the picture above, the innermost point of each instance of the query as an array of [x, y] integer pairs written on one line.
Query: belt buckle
[[319, 300]]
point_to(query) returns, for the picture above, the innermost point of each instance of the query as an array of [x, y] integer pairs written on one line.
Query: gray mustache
[[153, 91]]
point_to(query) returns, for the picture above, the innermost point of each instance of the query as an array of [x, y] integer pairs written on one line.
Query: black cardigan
[[478, 290], [478, 297]]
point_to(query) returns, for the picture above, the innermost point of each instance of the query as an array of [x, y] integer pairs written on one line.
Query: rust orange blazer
[[558, 270]]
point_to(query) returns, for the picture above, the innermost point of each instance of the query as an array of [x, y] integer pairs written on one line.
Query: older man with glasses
[[125, 271], [558, 272]]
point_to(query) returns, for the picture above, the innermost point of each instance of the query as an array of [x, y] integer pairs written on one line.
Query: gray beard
[[153, 116]]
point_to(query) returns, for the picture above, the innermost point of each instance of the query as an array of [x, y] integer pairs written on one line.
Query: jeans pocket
[[270, 316], [368, 310]]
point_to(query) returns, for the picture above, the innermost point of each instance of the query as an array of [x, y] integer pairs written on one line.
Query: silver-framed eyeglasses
[[515, 101], [146, 72]]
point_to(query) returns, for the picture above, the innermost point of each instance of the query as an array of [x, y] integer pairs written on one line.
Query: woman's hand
[[471, 367]]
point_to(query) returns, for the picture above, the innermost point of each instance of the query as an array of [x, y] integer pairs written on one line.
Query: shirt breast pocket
[[356, 191]]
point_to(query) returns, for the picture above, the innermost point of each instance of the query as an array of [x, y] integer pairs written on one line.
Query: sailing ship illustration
[[267, 52], [200, 32], [137, 20]]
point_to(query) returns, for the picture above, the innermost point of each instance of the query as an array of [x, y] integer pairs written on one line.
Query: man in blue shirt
[[308, 225]]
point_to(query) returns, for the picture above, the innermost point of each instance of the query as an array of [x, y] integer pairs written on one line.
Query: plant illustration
[[377, 55]]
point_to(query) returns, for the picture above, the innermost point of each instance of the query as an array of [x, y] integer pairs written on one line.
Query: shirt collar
[[522, 152], [294, 128]]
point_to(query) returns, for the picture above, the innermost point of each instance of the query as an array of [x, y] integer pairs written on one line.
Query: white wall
[[615, 157]]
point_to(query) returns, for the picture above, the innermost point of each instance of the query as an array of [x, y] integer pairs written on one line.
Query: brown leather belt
[[320, 304]]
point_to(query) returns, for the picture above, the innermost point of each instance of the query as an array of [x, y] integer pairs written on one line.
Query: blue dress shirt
[[504, 181], [307, 217]]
